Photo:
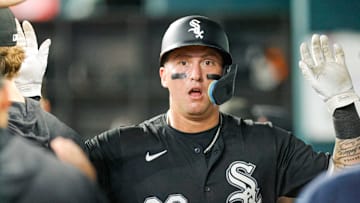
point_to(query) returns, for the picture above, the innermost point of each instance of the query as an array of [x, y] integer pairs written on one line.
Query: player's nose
[[196, 73]]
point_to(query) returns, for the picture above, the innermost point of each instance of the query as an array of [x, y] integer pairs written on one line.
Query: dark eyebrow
[[189, 56], [181, 55], [209, 55]]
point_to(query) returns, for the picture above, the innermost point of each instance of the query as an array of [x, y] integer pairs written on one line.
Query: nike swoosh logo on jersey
[[150, 157]]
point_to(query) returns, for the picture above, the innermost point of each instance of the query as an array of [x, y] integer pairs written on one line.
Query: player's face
[[185, 74]]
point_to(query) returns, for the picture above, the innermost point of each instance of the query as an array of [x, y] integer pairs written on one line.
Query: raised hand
[[29, 80], [327, 72]]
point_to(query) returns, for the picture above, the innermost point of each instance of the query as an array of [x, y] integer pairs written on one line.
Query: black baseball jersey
[[248, 162], [29, 173], [29, 120]]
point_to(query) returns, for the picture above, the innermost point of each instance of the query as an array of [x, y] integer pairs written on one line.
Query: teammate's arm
[[329, 77], [69, 152], [346, 150]]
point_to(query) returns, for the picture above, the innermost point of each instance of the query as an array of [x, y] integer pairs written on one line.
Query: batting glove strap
[[341, 100]]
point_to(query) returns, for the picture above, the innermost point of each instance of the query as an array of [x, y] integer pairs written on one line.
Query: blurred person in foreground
[[343, 187], [24, 65], [7, 3], [29, 173], [195, 153]]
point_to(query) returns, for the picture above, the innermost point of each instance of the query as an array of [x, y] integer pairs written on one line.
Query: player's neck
[[192, 124], [14, 93]]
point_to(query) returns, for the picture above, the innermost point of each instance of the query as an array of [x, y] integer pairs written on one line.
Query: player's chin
[[196, 102], [198, 108]]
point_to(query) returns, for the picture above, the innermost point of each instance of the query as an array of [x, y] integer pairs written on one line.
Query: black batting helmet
[[195, 30]]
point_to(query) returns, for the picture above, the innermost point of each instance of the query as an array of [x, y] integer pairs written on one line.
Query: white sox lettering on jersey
[[239, 175], [174, 198], [196, 29]]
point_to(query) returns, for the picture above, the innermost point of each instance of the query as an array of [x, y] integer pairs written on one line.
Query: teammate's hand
[[33, 68], [69, 152], [327, 74]]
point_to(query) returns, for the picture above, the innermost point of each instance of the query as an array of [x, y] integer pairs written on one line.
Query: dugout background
[[103, 66]]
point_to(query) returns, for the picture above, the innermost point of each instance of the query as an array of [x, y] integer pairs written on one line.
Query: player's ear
[[163, 73]]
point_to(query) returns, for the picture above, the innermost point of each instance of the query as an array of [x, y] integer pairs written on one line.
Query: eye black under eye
[[213, 76]]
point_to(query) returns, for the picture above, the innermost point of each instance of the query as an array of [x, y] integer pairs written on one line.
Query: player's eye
[[209, 63], [183, 63]]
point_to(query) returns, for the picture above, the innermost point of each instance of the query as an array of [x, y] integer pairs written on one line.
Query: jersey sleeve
[[297, 164], [58, 128], [101, 152]]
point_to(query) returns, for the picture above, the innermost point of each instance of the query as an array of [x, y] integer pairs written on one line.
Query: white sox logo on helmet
[[196, 29]]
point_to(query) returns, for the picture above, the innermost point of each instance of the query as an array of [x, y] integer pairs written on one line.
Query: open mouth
[[195, 92]]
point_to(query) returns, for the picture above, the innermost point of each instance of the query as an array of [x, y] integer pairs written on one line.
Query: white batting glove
[[327, 74], [29, 79]]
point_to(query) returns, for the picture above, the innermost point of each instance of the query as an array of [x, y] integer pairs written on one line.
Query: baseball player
[[195, 153], [29, 173], [24, 65]]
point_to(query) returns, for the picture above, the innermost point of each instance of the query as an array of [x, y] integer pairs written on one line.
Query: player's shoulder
[[250, 122], [264, 127], [154, 122], [127, 136], [250, 128], [149, 126], [241, 122]]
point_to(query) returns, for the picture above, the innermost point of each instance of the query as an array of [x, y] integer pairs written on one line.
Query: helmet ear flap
[[222, 90], [195, 30]]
